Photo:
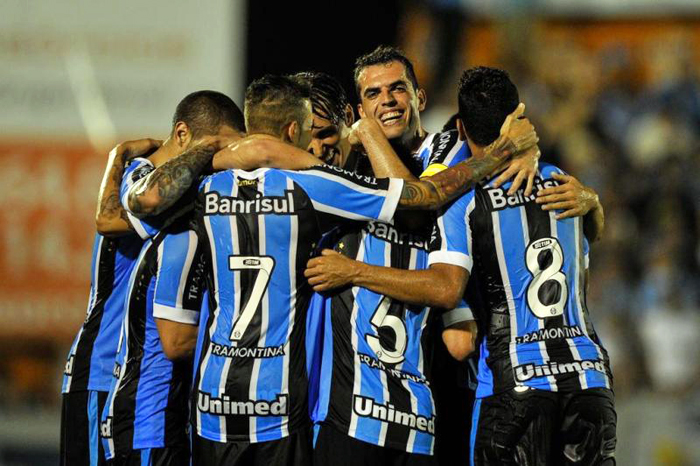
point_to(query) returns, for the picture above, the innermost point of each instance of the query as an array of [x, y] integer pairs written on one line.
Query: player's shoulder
[[442, 147], [332, 174], [137, 168], [547, 169]]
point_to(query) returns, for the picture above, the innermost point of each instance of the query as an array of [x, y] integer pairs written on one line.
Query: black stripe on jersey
[[441, 146], [241, 369], [125, 397], [177, 411], [343, 355], [539, 226], [80, 373], [495, 318]]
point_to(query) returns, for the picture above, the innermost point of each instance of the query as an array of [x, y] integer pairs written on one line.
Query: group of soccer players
[[265, 283]]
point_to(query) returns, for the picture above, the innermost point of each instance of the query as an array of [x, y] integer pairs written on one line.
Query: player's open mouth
[[329, 156], [391, 118]]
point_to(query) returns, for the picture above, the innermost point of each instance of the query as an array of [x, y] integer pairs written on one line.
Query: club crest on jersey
[[216, 204], [530, 371], [499, 199]]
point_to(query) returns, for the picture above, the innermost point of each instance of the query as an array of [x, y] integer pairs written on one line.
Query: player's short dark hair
[[486, 97], [273, 101], [328, 98], [384, 55], [205, 112]]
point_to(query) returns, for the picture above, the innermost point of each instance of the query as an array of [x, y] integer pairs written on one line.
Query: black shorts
[[80, 428], [538, 427], [166, 456], [334, 448], [293, 450]]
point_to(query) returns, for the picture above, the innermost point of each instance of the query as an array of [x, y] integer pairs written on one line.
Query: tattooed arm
[[161, 188], [111, 218], [517, 136]]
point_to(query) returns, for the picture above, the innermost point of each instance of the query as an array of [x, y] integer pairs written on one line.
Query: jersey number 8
[[547, 292]]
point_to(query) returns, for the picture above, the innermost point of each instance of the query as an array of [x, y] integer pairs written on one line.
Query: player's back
[[91, 358], [530, 269], [262, 227]]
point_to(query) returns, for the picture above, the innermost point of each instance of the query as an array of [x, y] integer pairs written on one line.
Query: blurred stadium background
[[613, 87]]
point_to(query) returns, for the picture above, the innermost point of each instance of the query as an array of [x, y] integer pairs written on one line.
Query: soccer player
[[88, 370], [250, 389], [544, 393], [374, 390], [145, 418]]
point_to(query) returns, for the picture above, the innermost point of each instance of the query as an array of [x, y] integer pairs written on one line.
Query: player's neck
[[167, 151]]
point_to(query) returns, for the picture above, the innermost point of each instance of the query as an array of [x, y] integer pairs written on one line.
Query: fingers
[[517, 182], [513, 116], [562, 177], [553, 190], [329, 252], [505, 176], [560, 205], [530, 183], [569, 213]]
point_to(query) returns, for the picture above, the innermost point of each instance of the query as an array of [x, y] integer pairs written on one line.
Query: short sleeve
[[462, 313], [137, 169], [451, 241], [179, 286], [348, 195]]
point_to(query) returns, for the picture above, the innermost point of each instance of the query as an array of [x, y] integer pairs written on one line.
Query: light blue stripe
[[324, 305], [277, 245], [211, 373], [475, 427], [146, 457], [94, 426]]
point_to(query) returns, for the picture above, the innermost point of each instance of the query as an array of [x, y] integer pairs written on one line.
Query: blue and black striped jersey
[[529, 270], [91, 357], [376, 356], [148, 402], [262, 227]]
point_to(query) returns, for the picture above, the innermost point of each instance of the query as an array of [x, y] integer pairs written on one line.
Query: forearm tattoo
[[172, 179], [110, 206], [439, 189]]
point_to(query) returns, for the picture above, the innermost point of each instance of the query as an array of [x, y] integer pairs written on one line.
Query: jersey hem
[[451, 257]]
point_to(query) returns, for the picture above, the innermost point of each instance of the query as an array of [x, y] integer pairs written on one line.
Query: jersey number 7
[[264, 265]]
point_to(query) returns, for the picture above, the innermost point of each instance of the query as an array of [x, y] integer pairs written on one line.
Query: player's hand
[[517, 134], [364, 127], [571, 197], [523, 167], [330, 270], [138, 147], [248, 153]]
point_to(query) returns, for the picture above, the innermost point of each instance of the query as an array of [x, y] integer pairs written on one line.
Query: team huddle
[[265, 284]]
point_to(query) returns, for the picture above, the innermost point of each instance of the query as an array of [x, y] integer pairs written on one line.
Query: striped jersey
[[376, 357], [147, 405], [262, 227], [529, 270], [91, 357]]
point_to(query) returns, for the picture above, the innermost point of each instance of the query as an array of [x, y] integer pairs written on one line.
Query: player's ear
[[460, 130], [182, 134], [422, 99], [349, 115], [360, 111], [291, 132]]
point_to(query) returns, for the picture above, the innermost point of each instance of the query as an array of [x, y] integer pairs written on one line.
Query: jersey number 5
[[547, 292], [264, 265], [381, 319]]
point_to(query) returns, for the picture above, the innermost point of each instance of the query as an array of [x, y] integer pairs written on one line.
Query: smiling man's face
[[388, 96], [327, 141]]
